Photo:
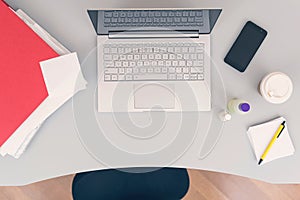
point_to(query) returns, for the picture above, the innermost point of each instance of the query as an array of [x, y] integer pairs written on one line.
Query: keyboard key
[[118, 64], [150, 70], [154, 63], [172, 56], [108, 64], [121, 77], [189, 63], [122, 57], [184, 19], [164, 14], [143, 70], [185, 49], [171, 69], [168, 63], [107, 77], [171, 14], [107, 57], [106, 50], [157, 56], [165, 56], [200, 76], [157, 70], [135, 70], [115, 57], [198, 19], [192, 13], [144, 57], [172, 76], [128, 70], [185, 70], [193, 76], [125, 64], [146, 63], [137, 57], [199, 13], [139, 63], [186, 76], [136, 14], [179, 76], [200, 56], [144, 14], [107, 14], [198, 63], [150, 77], [181, 63], [129, 77], [113, 50], [111, 71], [191, 49], [199, 49], [186, 56], [132, 64], [178, 70], [196, 69], [129, 14], [170, 49], [157, 14], [114, 77], [115, 14], [121, 70], [193, 56], [191, 19], [151, 56]]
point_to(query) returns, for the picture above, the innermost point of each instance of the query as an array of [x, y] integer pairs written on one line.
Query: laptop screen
[[119, 20]]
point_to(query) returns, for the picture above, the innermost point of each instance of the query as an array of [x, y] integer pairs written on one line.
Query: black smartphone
[[245, 46]]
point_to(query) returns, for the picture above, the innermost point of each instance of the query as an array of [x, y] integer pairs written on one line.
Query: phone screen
[[245, 46]]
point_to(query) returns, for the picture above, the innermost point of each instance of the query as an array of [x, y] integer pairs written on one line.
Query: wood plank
[[205, 187], [235, 187]]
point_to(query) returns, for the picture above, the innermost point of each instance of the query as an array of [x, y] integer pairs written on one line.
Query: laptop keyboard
[[154, 61], [159, 18]]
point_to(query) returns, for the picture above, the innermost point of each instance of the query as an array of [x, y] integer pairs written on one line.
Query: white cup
[[276, 87]]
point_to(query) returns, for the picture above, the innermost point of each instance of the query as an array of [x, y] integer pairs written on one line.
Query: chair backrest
[[164, 183]]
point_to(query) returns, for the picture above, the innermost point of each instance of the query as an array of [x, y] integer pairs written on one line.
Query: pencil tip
[[260, 161]]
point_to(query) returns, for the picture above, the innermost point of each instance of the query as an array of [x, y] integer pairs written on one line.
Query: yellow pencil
[[276, 135]]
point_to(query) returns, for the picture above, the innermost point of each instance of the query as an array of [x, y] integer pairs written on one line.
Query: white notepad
[[261, 135]]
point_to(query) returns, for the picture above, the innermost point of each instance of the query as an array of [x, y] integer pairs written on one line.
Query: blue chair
[[161, 184]]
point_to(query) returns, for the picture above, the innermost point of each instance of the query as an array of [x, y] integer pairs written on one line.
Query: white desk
[[57, 150]]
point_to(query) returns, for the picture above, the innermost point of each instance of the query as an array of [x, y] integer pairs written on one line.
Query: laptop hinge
[[152, 34]]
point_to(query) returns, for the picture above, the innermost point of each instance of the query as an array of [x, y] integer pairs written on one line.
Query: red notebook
[[22, 87]]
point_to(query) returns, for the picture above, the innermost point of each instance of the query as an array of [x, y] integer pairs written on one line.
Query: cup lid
[[276, 87]]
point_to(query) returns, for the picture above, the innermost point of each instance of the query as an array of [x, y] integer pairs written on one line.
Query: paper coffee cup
[[276, 87]]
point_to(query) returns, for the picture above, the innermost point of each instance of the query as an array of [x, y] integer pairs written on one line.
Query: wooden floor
[[204, 185]]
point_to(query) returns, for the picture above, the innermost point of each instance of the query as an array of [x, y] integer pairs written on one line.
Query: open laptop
[[153, 59]]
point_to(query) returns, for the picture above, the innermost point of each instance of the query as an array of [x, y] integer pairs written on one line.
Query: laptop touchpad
[[154, 95]]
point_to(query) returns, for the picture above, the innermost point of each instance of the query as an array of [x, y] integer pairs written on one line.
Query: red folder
[[22, 87]]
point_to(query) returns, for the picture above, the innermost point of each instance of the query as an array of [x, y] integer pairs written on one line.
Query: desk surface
[[57, 150]]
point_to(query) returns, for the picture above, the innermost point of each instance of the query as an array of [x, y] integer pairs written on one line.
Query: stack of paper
[[22, 86], [261, 135], [63, 79]]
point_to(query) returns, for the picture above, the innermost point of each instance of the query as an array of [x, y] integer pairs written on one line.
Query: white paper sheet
[[63, 78], [261, 135]]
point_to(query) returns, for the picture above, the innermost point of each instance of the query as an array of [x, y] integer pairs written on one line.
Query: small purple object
[[244, 107]]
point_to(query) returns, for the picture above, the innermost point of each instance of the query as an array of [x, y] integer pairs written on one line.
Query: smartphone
[[245, 46]]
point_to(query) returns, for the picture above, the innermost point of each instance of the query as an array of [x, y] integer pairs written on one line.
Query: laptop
[[153, 59]]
